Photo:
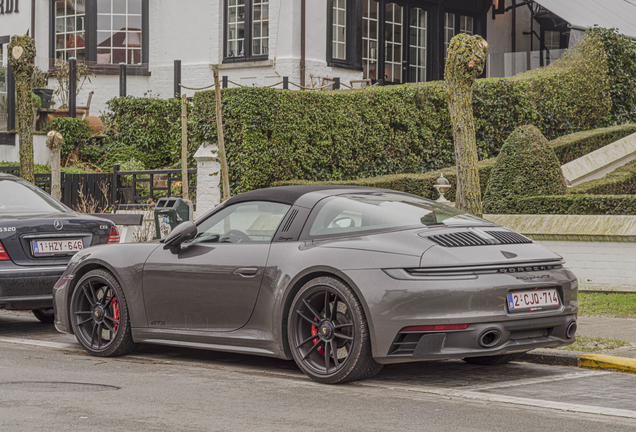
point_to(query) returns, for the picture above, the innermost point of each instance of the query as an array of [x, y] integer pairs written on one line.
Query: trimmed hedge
[[621, 55], [273, 135], [621, 181], [576, 145], [144, 129], [577, 205], [417, 184], [526, 166]]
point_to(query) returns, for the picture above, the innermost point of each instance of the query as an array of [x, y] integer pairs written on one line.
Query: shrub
[[145, 129], [275, 135], [621, 55], [622, 181], [576, 145], [526, 166], [78, 139], [417, 184], [577, 205]]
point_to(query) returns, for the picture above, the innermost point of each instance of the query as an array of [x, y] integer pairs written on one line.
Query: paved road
[[159, 388]]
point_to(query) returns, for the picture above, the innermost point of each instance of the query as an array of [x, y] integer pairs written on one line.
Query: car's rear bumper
[[509, 337], [25, 288]]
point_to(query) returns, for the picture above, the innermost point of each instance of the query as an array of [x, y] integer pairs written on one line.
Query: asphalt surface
[[162, 388]]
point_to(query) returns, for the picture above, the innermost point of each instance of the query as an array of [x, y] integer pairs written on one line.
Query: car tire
[[327, 326], [493, 360], [99, 315], [45, 315]]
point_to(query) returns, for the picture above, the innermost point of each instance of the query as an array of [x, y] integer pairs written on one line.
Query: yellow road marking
[[606, 362]]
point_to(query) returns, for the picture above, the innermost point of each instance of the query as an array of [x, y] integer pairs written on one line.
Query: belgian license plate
[[57, 246], [533, 300]]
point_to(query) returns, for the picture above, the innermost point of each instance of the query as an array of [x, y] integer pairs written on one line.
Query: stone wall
[[600, 250]]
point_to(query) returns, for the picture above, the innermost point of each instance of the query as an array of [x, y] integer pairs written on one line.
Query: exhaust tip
[[571, 330], [490, 338]]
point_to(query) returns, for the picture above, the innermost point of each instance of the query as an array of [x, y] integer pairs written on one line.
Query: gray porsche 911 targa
[[341, 279]]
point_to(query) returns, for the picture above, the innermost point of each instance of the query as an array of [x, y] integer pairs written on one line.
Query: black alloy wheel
[[328, 333], [99, 315], [45, 315]]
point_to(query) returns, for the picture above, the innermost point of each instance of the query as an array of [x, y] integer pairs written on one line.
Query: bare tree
[[465, 61]]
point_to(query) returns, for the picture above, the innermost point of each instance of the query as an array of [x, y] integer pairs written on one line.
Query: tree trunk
[[465, 62], [21, 56]]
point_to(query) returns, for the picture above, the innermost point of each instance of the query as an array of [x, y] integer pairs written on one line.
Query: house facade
[[257, 42]]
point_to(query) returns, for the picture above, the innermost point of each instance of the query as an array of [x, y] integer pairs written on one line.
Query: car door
[[211, 283]]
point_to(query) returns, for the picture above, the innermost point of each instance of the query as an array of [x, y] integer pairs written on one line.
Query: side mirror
[[183, 232]]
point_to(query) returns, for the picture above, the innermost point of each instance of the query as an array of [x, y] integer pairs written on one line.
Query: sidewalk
[[621, 359]]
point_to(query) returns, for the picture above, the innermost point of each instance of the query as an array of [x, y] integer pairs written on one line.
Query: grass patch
[[618, 305], [593, 344]]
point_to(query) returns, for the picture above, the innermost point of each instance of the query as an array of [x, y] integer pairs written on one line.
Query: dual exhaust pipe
[[492, 337]]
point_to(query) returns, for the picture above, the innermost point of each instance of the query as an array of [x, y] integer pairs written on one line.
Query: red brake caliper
[[314, 332], [115, 311]]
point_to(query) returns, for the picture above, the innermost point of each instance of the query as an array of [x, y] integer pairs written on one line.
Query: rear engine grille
[[508, 237], [459, 239]]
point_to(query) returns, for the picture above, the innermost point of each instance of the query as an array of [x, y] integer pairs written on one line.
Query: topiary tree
[[21, 56], [526, 166], [465, 62]]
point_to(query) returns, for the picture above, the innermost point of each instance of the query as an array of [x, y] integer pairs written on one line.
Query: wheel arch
[[79, 274], [300, 280]]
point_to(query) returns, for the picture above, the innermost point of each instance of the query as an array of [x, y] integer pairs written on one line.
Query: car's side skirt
[[215, 341]]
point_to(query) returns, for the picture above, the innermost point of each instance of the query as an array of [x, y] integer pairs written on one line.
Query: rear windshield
[[25, 198], [361, 212]]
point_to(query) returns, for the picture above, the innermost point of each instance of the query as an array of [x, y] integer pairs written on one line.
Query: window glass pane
[[134, 7], [119, 6], [134, 22], [417, 45], [26, 198], [393, 43], [235, 20], [260, 29], [115, 20], [119, 22], [363, 212], [253, 222], [104, 6], [339, 27]]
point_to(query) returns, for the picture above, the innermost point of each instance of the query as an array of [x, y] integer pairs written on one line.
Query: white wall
[[193, 33], [41, 153]]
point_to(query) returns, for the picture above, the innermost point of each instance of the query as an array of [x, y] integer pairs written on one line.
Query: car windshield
[[22, 198], [360, 212]]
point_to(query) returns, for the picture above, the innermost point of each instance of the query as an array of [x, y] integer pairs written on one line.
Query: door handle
[[246, 271]]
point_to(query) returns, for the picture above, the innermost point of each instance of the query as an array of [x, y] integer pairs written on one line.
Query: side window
[[250, 222]]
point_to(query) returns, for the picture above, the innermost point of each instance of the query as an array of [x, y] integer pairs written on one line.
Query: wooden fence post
[[184, 146], [54, 142], [219, 127]]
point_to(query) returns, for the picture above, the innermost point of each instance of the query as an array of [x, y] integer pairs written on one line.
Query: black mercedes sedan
[[340, 279], [38, 236]]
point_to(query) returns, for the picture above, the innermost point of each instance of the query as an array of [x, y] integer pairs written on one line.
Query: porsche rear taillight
[[435, 328], [114, 235], [4, 256]]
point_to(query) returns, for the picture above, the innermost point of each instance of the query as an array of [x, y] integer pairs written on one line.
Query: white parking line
[[530, 381], [485, 397], [472, 393], [47, 344]]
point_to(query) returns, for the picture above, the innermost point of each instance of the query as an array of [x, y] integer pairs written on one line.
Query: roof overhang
[[584, 14]]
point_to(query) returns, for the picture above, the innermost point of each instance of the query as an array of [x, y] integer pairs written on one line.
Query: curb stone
[[580, 359]]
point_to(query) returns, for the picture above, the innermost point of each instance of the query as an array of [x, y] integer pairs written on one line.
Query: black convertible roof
[[286, 194]]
